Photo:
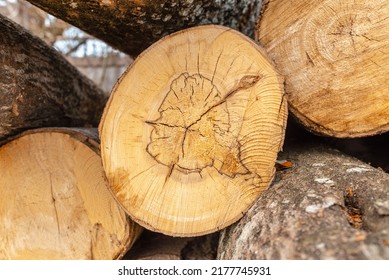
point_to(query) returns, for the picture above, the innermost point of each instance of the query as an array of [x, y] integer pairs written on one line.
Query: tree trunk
[[55, 202], [328, 206], [39, 88], [131, 26], [334, 56], [156, 246], [192, 129]]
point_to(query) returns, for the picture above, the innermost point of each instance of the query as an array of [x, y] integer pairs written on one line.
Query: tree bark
[[132, 25], [55, 202], [191, 131], [333, 56], [328, 206], [39, 88]]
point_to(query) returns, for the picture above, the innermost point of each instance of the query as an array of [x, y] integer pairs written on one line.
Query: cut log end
[[333, 55], [55, 202], [192, 130]]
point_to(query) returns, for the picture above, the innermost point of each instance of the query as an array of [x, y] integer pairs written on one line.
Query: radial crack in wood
[[203, 121], [189, 144], [55, 202], [333, 55]]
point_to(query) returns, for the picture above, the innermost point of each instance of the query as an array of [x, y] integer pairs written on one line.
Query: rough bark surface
[[328, 206], [131, 26], [39, 88], [156, 246]]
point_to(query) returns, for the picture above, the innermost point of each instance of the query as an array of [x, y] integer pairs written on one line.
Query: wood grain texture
[[192, 129], [333, 55], [55, 202]]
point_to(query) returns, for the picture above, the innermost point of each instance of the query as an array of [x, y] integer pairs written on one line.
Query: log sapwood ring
[[192, 129]]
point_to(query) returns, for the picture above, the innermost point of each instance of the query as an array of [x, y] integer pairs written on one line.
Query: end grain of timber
[[334, 56], [192, 130], [55, 202]]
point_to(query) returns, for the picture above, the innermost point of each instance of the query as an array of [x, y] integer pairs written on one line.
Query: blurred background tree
[[98, 61]]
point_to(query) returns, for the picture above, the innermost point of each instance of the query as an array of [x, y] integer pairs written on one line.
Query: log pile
[[190, 135]]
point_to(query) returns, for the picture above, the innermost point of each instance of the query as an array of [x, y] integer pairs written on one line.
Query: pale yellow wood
[[334, 55], [55, 202], [192, 129]]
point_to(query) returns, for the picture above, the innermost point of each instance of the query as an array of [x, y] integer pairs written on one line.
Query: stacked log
[[333, 56], [55, 200], [328, 206], [191, 133], [188, 146], [39, 88], [132, 25]]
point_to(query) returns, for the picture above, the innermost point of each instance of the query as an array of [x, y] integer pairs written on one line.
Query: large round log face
[[333, 54], [192, 129], [55, 202]]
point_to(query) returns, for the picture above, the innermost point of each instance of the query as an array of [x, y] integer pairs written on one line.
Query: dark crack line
[[309, 59], [169, 173], [283, 97], [232, 62], [196, 170], [169, 108], [244, 83], [217, 62], [164, 124], [209, 94], [367, 38], [55, 206], [228, 123], [175, 94], [183, 144], [198, 61], [140, 173], [202, 83], [192, 95]]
